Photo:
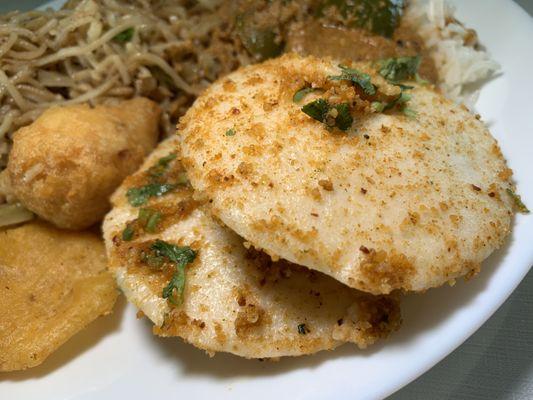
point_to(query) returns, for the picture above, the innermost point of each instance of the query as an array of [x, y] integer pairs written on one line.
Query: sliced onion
[[11, 214]]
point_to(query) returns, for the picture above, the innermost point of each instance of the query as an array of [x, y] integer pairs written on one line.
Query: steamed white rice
[[462, 64]]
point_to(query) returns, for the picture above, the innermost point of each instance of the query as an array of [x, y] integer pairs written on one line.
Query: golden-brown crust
[[65, 165], [54, 283], [236, 299], [428, 192]]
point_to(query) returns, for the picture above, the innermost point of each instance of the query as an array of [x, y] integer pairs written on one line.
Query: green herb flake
[[128, 233], [125, 35], [152, 260], [230, 132], [180, 256], [359, 78], [182, 179], [149, 218], [400, 69], [519, 204], [400, 101], [317, 109], [159, 169], [337, 115], [344, 119], [300, 94], [410, 113], [140, 195], [378, 106], [303, 329]]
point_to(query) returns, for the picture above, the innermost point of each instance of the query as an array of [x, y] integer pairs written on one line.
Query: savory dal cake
[[195, 279], [360, 171]]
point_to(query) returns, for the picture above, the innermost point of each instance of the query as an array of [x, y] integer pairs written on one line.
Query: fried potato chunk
[[65, 165], [53, 283]]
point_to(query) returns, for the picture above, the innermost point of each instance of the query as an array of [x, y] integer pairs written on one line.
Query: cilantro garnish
[[127, 233], [519, 204], [125, 35], [300, 94], [180, 256], [344, 119], [317, 109], [332, 115], [149, 219], [359, 78], [400, 101], [230, 132], [140, 195], [161, 166], [400, 69]]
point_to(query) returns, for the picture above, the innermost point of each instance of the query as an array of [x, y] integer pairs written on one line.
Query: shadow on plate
[[442, 302], [74, 347], [495, 363]]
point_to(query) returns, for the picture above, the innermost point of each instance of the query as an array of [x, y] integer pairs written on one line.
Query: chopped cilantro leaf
[[317, 109], [230, 132], [300, 94], [127, 233], [125, 36], [173, 292], [378, 106], [399, 69], [519, 204], [182, 179], [409, 112], [400, 101], [180, 256], [149, 219], [140, 195], [152, 260], [332, 115], [303, 329], [344, 119], [359, 78], [161, 166], [175, 254]]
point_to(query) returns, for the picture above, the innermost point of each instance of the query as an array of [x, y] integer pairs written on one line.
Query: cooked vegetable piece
[[65, 165], [377, 16]]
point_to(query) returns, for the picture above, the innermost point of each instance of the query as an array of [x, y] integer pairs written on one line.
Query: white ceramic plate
[[117, 357]]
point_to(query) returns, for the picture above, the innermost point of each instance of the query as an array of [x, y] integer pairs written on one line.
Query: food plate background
[[117, 357]]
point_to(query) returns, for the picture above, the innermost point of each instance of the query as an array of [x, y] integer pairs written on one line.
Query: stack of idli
[[299, 199]]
